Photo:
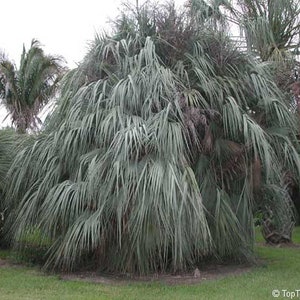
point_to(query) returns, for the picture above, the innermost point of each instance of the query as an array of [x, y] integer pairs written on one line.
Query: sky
[[63, 27]]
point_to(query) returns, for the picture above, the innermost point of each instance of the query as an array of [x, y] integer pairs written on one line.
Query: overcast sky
[[63, 27]]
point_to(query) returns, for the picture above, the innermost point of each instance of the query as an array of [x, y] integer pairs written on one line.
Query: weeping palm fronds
[[272, 27], [154, 163], [272, 34]]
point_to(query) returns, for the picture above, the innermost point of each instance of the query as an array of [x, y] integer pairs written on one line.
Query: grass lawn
[[281, 272]]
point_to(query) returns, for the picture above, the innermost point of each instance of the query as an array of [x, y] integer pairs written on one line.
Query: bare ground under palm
[[210, 272], [207, 272]]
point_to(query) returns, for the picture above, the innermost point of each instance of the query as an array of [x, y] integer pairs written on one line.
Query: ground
[[278, 270], [208, 272]]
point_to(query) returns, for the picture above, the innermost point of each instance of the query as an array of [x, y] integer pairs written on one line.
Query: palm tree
[[154, 161], [272, 31], [271, 27], [26, 90]]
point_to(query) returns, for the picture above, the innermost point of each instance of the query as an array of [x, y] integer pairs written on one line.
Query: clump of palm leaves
[[272, 30], [271, 27], [155, 162]]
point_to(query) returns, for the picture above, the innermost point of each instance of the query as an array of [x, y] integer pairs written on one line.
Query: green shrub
[[33, 247]]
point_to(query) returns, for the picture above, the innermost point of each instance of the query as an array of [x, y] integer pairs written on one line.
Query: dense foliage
[[272, 34], [10, 143], [165, 138]]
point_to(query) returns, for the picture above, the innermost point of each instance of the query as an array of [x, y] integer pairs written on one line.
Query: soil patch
[[4, 263], [210, 272], [282, 245]]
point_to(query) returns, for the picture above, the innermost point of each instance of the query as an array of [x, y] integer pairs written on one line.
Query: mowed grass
[[281, 271]]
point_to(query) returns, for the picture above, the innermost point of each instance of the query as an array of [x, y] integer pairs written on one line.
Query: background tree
[[26, 90], [272, 31], [271, 27]]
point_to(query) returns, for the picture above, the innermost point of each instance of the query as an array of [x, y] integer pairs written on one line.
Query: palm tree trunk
[[21, 126], [275, 236]]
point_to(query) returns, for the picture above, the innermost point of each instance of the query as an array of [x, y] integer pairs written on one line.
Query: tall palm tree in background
[[272, 32], [271, 27], [165, 139], [26, 90]]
